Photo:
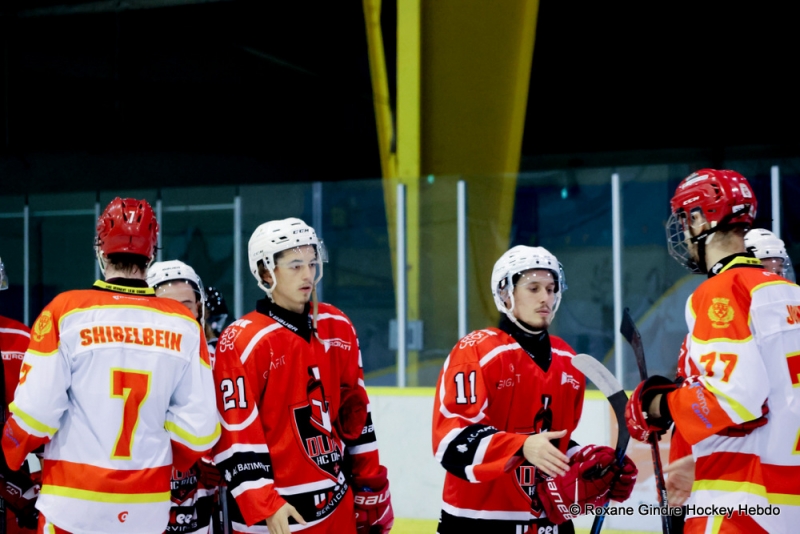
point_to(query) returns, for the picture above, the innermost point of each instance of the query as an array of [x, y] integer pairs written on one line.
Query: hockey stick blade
[[608, 384], [611, 388], [631, 334]]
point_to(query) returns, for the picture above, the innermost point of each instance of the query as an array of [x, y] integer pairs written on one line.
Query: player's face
[[295, 271], [183, 292], [773, 264], [534, 297], [695, 225]]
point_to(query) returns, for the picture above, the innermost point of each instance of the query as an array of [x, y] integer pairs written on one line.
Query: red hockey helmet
[[721, 198], [127, 225]]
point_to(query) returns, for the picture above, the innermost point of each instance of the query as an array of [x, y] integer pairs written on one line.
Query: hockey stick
[[611, 388], [631, 334]]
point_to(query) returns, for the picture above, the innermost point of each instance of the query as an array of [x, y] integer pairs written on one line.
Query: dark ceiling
[[207, 92]]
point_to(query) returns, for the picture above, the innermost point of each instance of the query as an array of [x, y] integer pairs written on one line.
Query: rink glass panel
[[12, 247], [568, 212], [200, 234]]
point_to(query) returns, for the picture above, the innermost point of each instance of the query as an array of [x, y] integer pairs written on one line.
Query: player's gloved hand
[[28, 517], [373, 503], [208, 474], [586, 482], [352, 413], [640, 424], [19, 493], [622, 484], [622, 487]]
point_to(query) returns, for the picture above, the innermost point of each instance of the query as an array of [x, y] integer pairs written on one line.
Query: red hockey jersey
[[278, 393], [490, 397], [14, 339]]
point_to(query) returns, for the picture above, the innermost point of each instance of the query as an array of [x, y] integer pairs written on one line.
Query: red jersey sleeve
[[464, 440], [363, 450], [242, 454]]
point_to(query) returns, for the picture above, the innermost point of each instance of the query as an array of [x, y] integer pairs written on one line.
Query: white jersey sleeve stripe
[[256, 338], [240, 447], [361, 449], [502, 348], [253, 484], [241, 426], [14, 331]]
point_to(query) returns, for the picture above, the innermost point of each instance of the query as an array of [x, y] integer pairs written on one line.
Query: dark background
[[251, 91]]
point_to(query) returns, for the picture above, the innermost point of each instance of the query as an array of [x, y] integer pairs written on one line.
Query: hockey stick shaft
[[611, 388], [631, 334]]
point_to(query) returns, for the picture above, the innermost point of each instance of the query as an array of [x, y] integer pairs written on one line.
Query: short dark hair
[[126, 262]]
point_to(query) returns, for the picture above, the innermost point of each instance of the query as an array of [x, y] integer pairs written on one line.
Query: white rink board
[[403, 425]]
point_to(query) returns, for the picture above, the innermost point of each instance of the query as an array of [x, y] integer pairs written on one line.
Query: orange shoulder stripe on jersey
[[127, 307], [90, 478]]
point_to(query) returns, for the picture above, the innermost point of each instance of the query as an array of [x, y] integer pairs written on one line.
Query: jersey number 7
[[132, 387]]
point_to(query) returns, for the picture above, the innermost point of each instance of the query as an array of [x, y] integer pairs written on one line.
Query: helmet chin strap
[[513, 318]]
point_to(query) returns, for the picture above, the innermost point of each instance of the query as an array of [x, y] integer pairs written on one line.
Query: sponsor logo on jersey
[[700, 408], [336, 343], [462, 448], [148, 337], [474, 338], [720, 312], [793, 316], [226, 342], [43, 326], [13, 355], [569, 379], [123, 516]]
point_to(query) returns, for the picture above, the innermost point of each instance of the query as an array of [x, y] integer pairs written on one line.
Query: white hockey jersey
[[118, 384]]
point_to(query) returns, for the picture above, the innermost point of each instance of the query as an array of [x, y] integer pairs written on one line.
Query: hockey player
[[771, 250], [506, 404], [194, 490], [117, 386], [298, 444], [17, 489], [739, 405]]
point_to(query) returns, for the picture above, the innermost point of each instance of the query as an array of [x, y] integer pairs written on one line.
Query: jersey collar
[[125, 285], [740, 259], [298, 323]]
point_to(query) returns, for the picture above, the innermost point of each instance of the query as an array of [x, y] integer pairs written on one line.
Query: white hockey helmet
[[165, 272], [516, 261], [3, 276], [274, 237], [766, 245]]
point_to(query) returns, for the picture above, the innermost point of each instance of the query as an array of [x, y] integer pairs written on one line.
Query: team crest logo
[[43, 326], [720, 313]]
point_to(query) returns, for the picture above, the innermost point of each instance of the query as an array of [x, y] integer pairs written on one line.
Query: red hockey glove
[[373, 503], [622, 485], [19, 493], [639, 423], [207, 473], [587, 482], [352, 413]]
